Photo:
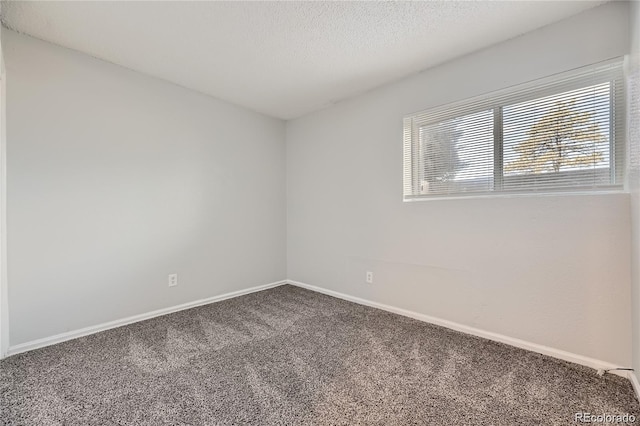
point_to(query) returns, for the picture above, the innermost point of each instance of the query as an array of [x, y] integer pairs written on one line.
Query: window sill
[[530, 194]]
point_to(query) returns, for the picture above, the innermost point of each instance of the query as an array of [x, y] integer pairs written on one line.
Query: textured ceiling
[[284, 59]]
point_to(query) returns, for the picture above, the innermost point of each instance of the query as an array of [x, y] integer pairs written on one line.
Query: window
[[561, 134]]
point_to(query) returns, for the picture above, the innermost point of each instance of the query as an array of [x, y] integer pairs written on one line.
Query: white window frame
[[608, 71]]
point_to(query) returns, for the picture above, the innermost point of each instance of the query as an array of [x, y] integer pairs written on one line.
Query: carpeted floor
[[292, 356]]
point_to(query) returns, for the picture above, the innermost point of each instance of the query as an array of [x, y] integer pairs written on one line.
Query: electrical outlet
[[173, 280], [369, 277]]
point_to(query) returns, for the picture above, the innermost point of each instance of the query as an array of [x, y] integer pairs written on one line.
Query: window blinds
[[563, 133]]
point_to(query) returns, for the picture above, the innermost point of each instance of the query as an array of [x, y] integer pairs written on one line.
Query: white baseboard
[[59, 338], [634, 382], [523, 344]]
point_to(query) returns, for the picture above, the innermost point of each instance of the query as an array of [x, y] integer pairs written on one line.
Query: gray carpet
[[292, 356]]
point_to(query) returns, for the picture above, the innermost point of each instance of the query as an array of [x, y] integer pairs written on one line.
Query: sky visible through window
[[475, 146], [474, 133]]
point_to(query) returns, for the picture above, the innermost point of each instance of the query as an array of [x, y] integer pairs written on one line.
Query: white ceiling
[[284, 59]]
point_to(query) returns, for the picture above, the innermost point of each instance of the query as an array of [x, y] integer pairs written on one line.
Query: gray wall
[[116, 179], [4, 300], [552, 270], [634, 175]]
